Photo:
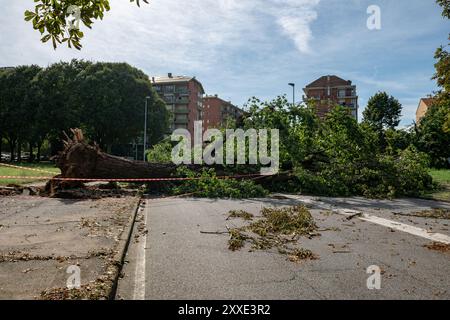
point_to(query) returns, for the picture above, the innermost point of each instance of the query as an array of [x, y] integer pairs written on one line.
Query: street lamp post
[[145, 124], [293, 93]]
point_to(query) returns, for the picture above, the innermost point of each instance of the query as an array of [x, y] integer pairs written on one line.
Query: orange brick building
[[217, 111], [329, 91], [183, 97]]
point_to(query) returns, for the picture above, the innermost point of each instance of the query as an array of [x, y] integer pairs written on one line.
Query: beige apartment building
[[424, 105]]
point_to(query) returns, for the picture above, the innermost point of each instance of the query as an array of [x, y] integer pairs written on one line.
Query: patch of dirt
[[438, 246], [278, 228], [15, 256]]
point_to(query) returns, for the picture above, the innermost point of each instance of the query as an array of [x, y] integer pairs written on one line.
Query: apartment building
[[183, 97], [424, 105], [217, 111], [329, 91]]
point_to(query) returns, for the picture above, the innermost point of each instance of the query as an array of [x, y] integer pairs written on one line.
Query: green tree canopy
[[112, 97], [58, 20], [17, 104], [433, 132], [382, 111]]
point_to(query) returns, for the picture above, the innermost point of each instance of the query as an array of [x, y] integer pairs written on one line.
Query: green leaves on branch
[[445, 4], [59, 20]]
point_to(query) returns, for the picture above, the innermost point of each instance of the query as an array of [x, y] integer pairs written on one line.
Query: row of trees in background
[[106, 100], [431, 136]]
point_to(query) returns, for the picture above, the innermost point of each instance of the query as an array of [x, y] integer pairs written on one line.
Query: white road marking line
[[139, 278], [437, 237]]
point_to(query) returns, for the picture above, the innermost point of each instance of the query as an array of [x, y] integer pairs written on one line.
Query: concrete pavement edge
[[123, 245]]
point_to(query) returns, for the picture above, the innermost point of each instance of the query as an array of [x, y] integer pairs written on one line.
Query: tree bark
[[30, 147], [12, 147], [38, 153], [19, 151], [82, 160]]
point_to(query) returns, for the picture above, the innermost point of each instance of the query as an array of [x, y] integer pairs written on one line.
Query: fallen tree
[[82, 160]]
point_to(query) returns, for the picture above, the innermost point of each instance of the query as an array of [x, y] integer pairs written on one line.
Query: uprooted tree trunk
[[82, 160]]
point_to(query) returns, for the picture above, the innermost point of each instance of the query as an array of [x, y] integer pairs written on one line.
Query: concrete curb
[[124, 242]]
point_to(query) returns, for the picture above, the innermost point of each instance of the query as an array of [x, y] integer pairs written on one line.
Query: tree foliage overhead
[[445, 4], [59, 20]]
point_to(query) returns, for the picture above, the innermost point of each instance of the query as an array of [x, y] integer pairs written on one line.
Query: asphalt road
[[41, 237], [169, 257]]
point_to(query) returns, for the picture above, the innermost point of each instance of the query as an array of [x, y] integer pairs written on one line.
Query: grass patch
[[7, 171], [442, 191], [440, 176], [278, 228]]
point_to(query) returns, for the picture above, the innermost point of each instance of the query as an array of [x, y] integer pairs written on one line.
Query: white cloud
[[295, 18], [187, 35]]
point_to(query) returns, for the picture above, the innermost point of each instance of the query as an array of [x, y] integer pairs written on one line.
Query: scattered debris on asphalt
[[355, 215], [277, 228], [17, 255], [237, 240], [240, 214], [435, 213], [299, 254], [438, 246]]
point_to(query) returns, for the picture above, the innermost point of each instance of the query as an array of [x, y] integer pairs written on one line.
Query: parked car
[[5, 157]]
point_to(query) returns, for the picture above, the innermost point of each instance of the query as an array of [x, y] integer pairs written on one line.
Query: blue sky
[[244, 48]]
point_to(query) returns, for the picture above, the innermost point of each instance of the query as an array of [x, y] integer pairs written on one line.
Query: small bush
[[160, 153], [206, 184]]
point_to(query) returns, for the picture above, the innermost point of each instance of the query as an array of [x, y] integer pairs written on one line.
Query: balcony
[[181, 91], [181, 110], [181, 121], [182, 100]]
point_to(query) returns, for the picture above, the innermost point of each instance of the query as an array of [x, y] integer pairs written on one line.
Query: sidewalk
[[41, 237]]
